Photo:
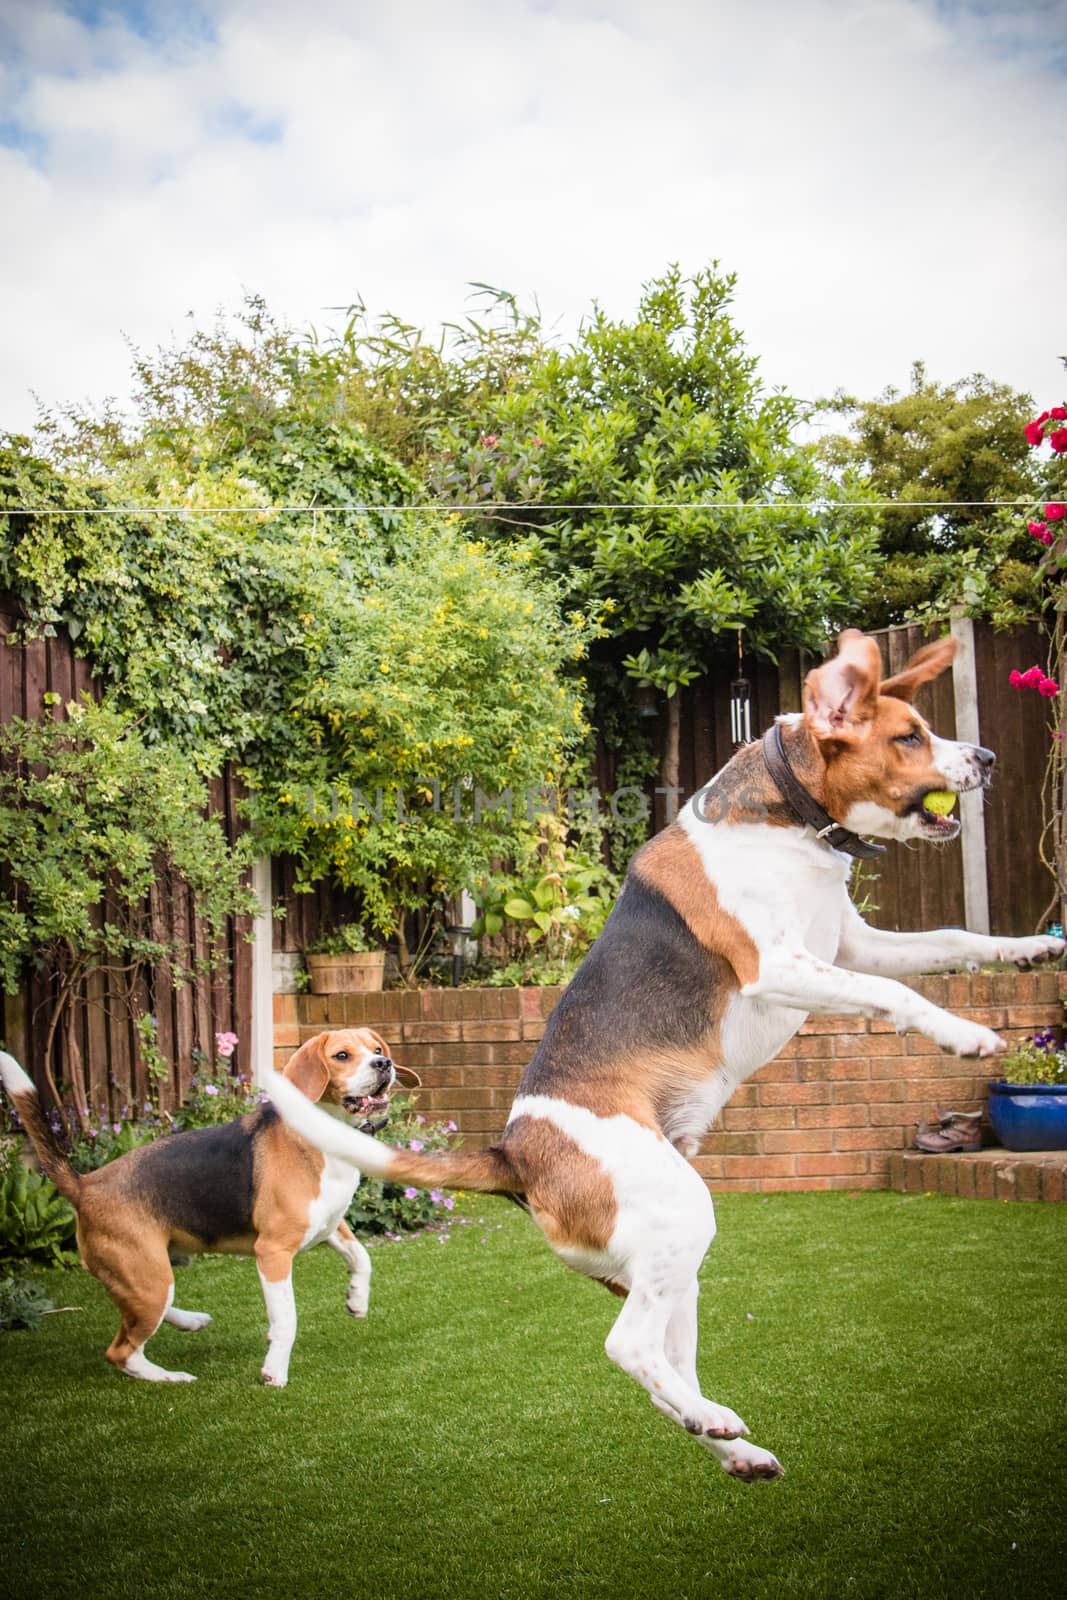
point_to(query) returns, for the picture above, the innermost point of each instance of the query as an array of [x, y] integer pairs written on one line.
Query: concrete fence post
[[972, 816]]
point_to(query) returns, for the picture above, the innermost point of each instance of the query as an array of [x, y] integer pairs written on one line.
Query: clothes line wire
[[490, 508]]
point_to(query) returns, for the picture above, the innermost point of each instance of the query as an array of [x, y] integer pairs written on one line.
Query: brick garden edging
[[827, 1113]]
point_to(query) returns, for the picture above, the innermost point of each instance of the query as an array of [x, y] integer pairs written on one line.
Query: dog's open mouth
[[366, 1105], [941, 828]]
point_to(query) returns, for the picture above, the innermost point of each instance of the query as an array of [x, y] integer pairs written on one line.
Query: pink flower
[[1036, 530], [1058, 440], [1055, 510], [1015, 679], [1042, 418], [450, 1127], [1048, 687], [436, 1196], [210, 1088], [411, 1194], [448, 1202], [1035, 434], [490, 440], [1047, 537], [1058, 413], [416, 1144]]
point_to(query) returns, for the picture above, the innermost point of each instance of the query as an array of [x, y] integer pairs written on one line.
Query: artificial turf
[[903, 1356]]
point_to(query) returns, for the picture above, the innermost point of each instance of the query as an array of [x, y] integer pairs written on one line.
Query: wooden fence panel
[[1018, 726], [102, 1033], [919, 885]]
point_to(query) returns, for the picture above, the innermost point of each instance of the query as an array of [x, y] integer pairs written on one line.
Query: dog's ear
[[308, 1069], [840, 697], [927, 663]]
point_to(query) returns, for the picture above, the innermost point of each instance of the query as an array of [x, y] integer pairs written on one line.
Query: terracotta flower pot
[[346, 973]]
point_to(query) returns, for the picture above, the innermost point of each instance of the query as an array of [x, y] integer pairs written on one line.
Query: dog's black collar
[[805, 805]]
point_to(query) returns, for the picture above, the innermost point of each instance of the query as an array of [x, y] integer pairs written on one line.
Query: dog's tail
[[23, 1095], [486, 1171]]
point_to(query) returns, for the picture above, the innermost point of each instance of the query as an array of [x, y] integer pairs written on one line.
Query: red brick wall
[[825, 1114]]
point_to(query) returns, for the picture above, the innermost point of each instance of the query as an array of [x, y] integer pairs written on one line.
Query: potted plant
[[343, 961], [1028, 1104]]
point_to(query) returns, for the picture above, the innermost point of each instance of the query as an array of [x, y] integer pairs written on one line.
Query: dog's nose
[[986, 759], [380, 1059]]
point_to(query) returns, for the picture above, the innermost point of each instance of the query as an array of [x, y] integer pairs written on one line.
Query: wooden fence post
[[262, 974], [972, 816]]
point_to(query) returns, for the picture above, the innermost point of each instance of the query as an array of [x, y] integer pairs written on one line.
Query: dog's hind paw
[[718, 1422], [751, 1464]]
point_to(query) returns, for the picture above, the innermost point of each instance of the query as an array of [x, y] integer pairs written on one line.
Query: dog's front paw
[[274, 1380], [970, 1039], [1029, 952]]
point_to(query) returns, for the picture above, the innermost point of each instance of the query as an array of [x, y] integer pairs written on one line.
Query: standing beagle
[[734, 924], [253, 1186]]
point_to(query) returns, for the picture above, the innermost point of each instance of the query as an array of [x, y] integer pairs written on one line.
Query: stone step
[[993, 1174]]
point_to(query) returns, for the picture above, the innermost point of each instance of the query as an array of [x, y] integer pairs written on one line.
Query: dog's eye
[[342, 1055], [911, 738]]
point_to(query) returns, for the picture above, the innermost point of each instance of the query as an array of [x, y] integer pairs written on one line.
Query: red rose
[[1047, 537], [1043, 417], [1036, 529], [1015, 679], [1048, 687], [1059, 412], [1058, 439], [1035, 434], [1031, 679], [1055, 510]]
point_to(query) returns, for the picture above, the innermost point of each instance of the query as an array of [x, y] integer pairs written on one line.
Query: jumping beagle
[[733, 925], [253, 1186]]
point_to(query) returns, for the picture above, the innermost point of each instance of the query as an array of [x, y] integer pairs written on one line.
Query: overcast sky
[[884, 176]]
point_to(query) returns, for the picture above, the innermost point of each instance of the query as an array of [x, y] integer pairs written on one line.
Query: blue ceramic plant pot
[[1029, 1116]]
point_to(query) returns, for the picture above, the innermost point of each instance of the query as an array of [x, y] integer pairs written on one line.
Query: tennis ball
[[940, 802]]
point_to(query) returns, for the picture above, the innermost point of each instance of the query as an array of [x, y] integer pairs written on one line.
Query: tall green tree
[[928, 449], [666, 489]]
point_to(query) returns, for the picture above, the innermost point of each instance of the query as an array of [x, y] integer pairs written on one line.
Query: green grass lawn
[[903, 1356]]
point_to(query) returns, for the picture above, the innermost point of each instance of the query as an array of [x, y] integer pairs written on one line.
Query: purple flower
[[210, 1088], [411, 1194], [450, 1127], [116, 1127], [448, 1202], [416, 1144], [436, 1196]]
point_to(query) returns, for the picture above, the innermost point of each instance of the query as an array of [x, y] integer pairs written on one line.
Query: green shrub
[[36, 1223], [347, 940], [395, 1208], [23, 1304]]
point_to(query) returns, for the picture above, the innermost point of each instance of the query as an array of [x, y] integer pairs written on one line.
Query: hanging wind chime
[[740, 703]]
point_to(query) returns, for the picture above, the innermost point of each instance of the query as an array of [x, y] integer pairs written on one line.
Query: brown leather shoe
[[954, 1131]]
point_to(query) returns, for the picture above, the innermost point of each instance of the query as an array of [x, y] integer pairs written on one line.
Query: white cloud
[[882, 174]]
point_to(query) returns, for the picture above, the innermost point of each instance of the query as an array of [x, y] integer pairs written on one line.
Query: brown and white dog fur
[[249, 1187], [727, 934]]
